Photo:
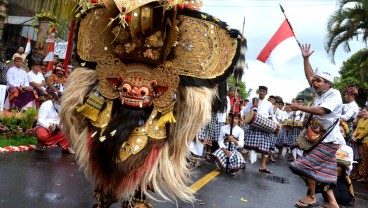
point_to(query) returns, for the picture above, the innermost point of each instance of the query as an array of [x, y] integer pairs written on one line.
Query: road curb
[[17, 149]]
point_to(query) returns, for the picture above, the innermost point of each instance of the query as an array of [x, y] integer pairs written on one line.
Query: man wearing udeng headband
[[319, 164]]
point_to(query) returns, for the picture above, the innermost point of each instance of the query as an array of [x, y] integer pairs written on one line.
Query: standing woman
[[360, 137]]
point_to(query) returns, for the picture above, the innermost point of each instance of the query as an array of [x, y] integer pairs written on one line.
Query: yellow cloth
[[361, 131]]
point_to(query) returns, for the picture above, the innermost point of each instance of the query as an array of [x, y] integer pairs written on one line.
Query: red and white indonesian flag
[[51, 49], [281, 48], [28, 46]]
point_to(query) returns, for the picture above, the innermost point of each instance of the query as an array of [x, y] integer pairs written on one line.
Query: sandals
[[265, 171], [305, 204], [272, 160]]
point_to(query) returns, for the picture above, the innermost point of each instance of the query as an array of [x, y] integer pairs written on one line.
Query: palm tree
[[60, 10], [346, 23]]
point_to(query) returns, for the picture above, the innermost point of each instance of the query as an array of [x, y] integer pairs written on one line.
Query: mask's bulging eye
[[126, 88], [143, 91]]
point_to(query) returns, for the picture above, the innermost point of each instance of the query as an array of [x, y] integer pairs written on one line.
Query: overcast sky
[[262, 19]]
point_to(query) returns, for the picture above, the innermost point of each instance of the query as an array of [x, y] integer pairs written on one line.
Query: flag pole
[[283, 11], [232, 111]]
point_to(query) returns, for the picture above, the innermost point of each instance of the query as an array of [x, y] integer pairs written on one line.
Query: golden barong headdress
[[142, 49]]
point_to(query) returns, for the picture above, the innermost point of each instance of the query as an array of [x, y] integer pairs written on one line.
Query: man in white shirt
[[319, 164], [37, 81], [20, 53], [19, 93], [48, 131], [350, 109], [227, 156], [258, 139]]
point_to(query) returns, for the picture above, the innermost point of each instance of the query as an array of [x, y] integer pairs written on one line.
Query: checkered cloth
[[274, 138], [3, 74], [211, 131], [290, 139], [257, 139], [264, 123], [280, 141], [245, 128], [236, 158]]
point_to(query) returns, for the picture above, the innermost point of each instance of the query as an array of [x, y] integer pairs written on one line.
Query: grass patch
[[18, 141]]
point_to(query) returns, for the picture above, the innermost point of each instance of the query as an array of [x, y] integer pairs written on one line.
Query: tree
[[354, 72], [347, 22], [56, 10]]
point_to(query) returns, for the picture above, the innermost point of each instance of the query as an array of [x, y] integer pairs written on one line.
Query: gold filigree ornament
[[136, 142], [155, 128], [136, 25], [94, 37], [204, 49]]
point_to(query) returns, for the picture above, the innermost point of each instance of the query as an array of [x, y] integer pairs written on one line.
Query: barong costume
[[151, 72]]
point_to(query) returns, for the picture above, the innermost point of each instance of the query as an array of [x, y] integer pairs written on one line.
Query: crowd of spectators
[[32, 82]]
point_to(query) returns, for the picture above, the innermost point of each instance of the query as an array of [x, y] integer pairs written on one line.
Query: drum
[[298, 124], [261, 122], [289, 124]]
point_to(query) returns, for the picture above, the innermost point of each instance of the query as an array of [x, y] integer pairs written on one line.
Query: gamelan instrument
[[256, 120], [290, 123]]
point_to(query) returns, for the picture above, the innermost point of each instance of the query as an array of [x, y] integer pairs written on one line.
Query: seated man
[[19, 93], [48, 131], [230, 158], [37, 81], [56, 81], [20, 53]]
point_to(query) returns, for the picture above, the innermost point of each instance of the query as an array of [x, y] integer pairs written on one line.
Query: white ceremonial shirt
[[237, 133], [16, 77], [331, 100], [47, 115], [36, 78], [349, 111], [296, 115], [221, 117], [281, 115], [350, 153], [265, 108]]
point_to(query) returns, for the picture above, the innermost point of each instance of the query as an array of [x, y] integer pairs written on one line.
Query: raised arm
[[306, 53]]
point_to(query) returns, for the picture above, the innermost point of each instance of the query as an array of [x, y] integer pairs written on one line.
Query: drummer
[[257, 139]]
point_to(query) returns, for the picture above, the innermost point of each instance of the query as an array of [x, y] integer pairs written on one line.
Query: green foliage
[[17, 141], [18, 125], [241, 86], [348, 22], [354, 72], [307, 95], [28, 118]]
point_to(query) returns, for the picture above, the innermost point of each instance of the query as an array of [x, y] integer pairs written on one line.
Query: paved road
[[52, 179]]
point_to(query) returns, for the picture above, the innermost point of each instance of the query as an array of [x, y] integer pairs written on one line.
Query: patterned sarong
[[258, 140], [18, 99], [236, 159], [320, 164], [211, 131], [47, 138], [281, 139]]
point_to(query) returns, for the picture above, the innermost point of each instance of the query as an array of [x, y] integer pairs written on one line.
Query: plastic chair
[[2, 96]]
